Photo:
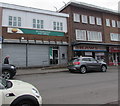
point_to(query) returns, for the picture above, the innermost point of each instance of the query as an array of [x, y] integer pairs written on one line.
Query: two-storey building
[[93, 31], [33, 37]]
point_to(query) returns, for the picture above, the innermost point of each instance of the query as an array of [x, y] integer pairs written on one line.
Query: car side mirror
[[9, 84]]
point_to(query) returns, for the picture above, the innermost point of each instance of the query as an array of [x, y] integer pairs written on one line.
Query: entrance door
[[54, 55]]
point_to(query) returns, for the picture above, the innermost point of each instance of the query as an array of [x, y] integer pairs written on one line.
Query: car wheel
[[26, 103], [103, 68], [6, 74], [83, 70]]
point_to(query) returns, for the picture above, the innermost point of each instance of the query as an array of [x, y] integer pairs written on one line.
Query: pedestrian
[[6, 60]]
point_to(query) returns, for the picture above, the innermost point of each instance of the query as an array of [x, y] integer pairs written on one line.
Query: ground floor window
[[114, 59]]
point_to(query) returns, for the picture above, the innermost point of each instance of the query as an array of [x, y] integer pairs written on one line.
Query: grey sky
[[53, 4]]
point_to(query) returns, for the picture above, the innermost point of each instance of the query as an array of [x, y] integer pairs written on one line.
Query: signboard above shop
[[89, 48], [34, 32]]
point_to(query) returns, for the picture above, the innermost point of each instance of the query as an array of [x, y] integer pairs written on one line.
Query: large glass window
[[80, 34], [94, 36], [115, 37]]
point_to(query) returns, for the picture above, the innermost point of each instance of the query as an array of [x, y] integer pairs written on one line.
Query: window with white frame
[[14, 21], [80, 34], [76, 17], [84, 19], [94, 36], [107, 22], [113, 23], [38, 23], [92, 19], [118, 24], [98, 21], [58, 26], [115, 36]]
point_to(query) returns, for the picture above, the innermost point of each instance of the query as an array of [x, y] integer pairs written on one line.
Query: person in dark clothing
[[6, 60]]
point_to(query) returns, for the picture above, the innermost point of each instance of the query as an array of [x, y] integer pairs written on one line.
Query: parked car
[[85, 64], [8, 71], [18, 93]]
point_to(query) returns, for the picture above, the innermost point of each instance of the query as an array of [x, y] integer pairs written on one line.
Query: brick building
[[33, 37], [93, 31]]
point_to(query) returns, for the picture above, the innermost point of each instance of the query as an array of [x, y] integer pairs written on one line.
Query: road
[[75, 88]]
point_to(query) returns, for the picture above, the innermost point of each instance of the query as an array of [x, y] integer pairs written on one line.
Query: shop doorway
[[54, 55]]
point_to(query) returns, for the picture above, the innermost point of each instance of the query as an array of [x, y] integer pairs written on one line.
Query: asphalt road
[[75, 88]]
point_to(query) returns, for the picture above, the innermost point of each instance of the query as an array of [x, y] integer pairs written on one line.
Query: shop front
[[98, 52], [114, 56]]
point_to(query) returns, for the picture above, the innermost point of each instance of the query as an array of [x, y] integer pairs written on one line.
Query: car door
[[95, 65], [1, 95]]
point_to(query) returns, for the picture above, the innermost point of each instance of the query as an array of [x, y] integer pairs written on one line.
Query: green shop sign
[[35, 32]]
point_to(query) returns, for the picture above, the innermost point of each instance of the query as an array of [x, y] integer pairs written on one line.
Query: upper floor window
[[118, 24], [107, 22], [58, 26], [14, 21], [84, 19], [38, 23], [94, 36], [115, 37], [113, 23], [92, 20], [98, 21], [76, 17], [80, 34]]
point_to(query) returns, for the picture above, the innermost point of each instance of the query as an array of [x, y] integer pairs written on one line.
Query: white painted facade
[[27, 15]]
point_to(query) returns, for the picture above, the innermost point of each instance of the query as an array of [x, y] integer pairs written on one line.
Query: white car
[[18, 93]]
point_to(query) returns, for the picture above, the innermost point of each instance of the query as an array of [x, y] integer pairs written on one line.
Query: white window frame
[[37, 23], [57, 26], [113, 23], [108, 22], [115, 37], [14, 21], [76, 17], [94, 36], [98, 21], [80, 34], [84, 19], [92, 20], [118, 24]]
